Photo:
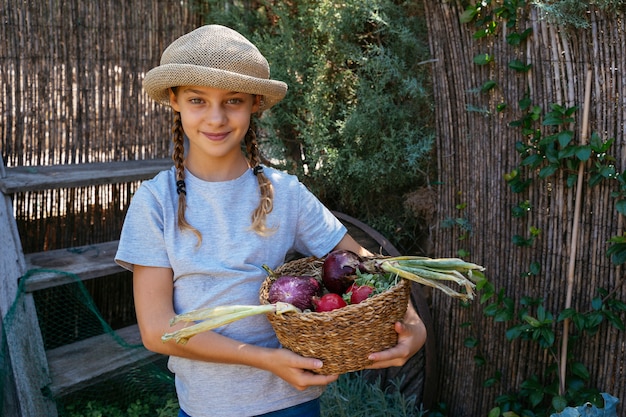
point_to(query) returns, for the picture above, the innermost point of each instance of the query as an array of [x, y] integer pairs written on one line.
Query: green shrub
[[357, 123], [354, 396]]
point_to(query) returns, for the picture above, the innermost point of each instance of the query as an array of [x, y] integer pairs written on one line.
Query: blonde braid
[[266, 203], [178, 156]]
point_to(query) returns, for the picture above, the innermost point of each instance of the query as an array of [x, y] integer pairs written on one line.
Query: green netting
[[68, 314]]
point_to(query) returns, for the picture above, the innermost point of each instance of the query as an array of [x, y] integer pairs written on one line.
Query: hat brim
[[159, 80]]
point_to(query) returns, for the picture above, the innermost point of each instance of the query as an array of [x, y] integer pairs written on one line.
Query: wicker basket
[[342, 338]]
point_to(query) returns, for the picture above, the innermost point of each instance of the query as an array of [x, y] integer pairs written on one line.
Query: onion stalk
[[212, 318], [432, 272]]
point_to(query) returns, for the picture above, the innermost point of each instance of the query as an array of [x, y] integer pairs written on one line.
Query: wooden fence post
[[25, 360]]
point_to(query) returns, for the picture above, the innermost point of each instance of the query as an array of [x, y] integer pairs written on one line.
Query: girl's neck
[[217, 170]]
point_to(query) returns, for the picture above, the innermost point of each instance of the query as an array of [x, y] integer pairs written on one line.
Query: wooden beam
[[37, 178], [62, 266], [80, 364]]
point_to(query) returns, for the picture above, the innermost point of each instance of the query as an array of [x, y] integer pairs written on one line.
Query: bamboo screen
[[71, 74], [71, 79], [71, 93], [476, 147]]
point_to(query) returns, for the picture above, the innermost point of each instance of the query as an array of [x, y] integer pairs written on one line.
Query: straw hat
[[214, 56]]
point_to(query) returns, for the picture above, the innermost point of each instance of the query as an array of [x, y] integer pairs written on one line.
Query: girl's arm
[[153, 292], [411, 330], [348, 243]]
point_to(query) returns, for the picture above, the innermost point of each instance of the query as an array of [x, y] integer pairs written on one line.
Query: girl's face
[[215, 121]]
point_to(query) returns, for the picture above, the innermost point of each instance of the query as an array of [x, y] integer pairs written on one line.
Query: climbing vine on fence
[[548, 151]]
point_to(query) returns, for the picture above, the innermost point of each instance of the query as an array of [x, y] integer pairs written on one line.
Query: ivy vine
[[547, 148]]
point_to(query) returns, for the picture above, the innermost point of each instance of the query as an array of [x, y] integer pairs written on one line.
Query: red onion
[[296, 290], [339, 269]]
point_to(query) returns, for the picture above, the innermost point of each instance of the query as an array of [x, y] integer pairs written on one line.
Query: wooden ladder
[[36, 375]]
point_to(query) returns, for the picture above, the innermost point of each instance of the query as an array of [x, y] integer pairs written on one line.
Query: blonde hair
[[266, 203]]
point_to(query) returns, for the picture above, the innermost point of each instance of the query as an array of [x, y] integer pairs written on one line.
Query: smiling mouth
[[216, 136]]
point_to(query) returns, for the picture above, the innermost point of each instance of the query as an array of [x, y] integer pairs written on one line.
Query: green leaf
[[532, 160], [552, 154], [479, 360], [617, 252], [565, 137], [548, 170], [571, 110], [519, 186], [490, 310], [567, 313], [483, 59], [579, 370], [552, 120], [521, 241], [596, 143], [525, 103], [567, 152], [583, 153], [621, 207], [488, 85], [618, 239], [535, 268], [535, 398], [494, 412], [613, 303], [592, 321], [516, 38], [579, 321], [513, 39], [482, 33], [596, 303], [470, 342], [515, 332], [532, 321], [571, 180], [615, 320], [606, 171], [559, 403], [543, 315], [468, 14], [548, 337], [503, 315], [519, 66]]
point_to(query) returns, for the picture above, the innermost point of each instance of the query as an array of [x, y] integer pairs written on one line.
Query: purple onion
[[339, 269], [295, 290]]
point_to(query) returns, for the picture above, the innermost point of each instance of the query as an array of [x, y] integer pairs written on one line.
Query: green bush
[[357, 123], [351, 396], [150, 406]]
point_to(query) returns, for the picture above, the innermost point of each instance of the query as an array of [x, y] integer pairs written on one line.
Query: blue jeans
[[307, 409]]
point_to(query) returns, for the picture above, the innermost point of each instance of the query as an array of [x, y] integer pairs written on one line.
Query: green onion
[[213, 318], [433, 272]]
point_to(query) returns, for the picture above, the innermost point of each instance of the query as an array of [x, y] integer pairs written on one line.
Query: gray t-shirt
[[226, 270]]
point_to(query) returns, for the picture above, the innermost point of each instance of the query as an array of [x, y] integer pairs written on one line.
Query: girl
[[198, 234]]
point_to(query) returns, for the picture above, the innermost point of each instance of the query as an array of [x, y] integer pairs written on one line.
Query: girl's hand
[[411, 338], [297, 370]]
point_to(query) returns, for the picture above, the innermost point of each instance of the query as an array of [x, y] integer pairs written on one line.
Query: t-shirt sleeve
[[319, 231], [142, 239]]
